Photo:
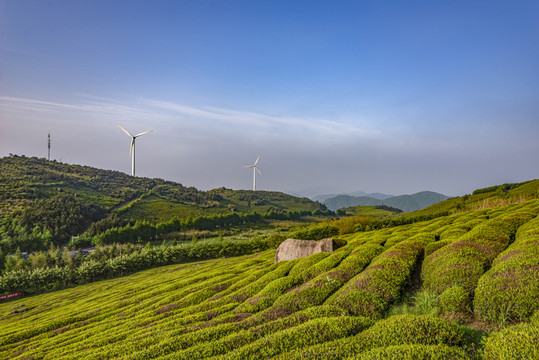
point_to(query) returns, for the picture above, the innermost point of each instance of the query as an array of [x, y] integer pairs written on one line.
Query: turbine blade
[[143, 133], [258, 171], [248, 166], [127, 132], [132, 146], [258, 158]]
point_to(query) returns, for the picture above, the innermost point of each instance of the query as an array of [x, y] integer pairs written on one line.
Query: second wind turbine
[[255, 169], [132, 149]]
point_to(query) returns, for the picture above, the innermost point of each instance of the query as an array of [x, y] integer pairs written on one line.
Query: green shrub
[[509, 291], [465, 260], [303, 270], [415, 352], [456, 302], [432, 247], [410, 329], [516, 342], [310, 333], [396, 330], [306, 263], [372, 291], [317, 232]]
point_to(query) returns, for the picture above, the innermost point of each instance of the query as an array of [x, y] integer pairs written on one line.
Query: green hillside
[[460, 286], [46, 202]]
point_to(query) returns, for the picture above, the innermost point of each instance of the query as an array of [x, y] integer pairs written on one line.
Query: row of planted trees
[[79, 270], [143, 231]]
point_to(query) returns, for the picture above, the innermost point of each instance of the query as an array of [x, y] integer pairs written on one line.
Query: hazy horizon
[[384, 97]]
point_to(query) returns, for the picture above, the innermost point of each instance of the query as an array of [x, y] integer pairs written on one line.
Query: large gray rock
[[291, 249]]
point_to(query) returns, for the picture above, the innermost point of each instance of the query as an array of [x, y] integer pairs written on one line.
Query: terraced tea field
[[481, 267]]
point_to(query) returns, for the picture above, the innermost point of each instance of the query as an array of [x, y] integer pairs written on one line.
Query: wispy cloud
[[157, 111], [281, 124]]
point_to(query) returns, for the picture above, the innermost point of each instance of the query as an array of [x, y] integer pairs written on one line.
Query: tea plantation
[[461, 286]]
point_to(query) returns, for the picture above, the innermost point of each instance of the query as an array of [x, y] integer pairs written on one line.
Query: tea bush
[[465, 260], [370, 293], [396, 330], [456, 302], [509, 291], [415, 352], [309, 333], [317, 290], [516, 342]]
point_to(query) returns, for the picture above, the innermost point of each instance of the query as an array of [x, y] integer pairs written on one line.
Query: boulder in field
[[291, 249]]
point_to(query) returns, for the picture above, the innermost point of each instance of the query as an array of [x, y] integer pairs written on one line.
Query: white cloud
[[161, 113]]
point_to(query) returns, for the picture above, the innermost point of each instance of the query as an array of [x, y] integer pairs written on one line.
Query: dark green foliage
[[316, 232], [497, 188], [62, 215], [42, 280], [388, 208], [516, 342]]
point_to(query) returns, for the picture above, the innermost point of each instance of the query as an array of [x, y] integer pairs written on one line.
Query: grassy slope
[[26, 180], [247, 306], [157, 207], [523, 191]]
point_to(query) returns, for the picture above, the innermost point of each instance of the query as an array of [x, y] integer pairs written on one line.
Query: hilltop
[[45, 202]]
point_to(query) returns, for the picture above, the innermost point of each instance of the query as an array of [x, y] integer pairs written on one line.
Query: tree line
[[143, 231], [65, 270]]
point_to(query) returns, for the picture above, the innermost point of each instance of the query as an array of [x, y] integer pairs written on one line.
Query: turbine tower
[[255, 169], [132, 149]]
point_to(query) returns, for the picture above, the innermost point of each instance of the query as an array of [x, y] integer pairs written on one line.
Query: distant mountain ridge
[[406, 203], [378, 196]]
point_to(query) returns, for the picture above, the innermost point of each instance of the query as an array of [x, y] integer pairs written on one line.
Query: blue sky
[[385, 96]]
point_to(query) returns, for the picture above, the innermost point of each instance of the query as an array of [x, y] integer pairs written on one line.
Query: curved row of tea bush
[[464, 261], [396, 330], [509, 291], [316, 291], [516, 342], [372, 291]]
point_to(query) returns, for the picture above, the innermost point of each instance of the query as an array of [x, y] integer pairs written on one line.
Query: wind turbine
[[255, 169], [132, 149]]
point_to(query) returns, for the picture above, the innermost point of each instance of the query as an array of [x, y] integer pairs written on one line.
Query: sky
[[335, 96]]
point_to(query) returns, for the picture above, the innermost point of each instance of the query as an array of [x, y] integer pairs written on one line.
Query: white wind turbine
[[255, 169], [132, 149]]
